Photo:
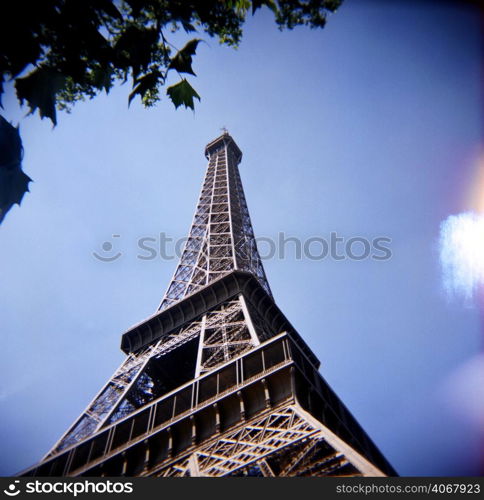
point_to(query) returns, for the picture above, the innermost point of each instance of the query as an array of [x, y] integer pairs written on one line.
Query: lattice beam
[[282, 443]]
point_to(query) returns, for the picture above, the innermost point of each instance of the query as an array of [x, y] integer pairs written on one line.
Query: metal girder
[[221, 238], [222, 333], [282, 443]]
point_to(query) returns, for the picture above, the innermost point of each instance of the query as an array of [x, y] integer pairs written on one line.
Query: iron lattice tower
[[217, 382]]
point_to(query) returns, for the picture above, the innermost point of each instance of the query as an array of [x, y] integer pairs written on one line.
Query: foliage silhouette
[[58, 52], [13, 181]]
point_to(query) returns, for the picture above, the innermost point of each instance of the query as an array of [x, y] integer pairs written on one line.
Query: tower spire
[[221, 238]]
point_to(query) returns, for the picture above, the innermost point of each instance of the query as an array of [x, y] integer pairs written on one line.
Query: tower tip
[[224, 140]]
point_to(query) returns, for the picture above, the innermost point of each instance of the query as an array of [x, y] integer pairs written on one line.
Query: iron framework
[[216, 382]]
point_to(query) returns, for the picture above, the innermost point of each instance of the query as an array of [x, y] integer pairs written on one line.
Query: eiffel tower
[[217, 382]]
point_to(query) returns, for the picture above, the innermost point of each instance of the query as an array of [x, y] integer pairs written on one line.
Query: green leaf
[[242, 6], [135, 48], [39, 89], [182, 93], [257, 4], [145, 84], [102, 78], [109, 8], [332, 5], [136, 6], [188, 27], [182, 61], [14, 183]]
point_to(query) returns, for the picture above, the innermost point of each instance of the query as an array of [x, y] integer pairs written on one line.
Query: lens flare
[[462, 254]]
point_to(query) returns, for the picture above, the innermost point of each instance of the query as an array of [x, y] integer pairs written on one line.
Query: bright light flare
[[462, 254]]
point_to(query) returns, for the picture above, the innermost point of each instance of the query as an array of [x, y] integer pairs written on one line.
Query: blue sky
[[370, 127]]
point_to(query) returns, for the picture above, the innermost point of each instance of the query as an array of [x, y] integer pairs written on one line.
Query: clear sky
[[370, 127]]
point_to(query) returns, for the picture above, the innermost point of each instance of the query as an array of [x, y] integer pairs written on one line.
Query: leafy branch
[[58, 52], [72, 49]]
